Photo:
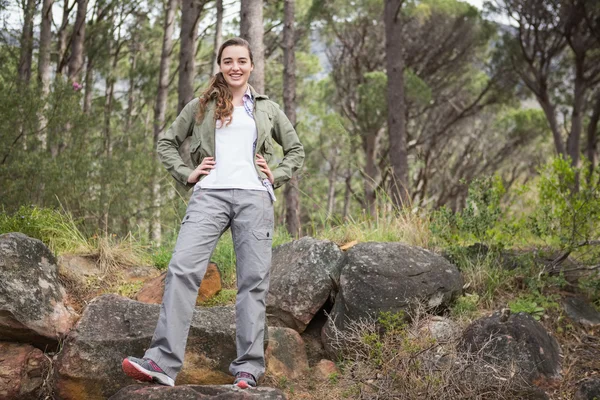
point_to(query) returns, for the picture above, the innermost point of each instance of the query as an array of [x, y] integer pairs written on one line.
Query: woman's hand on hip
[[207, 164], [264, 167]]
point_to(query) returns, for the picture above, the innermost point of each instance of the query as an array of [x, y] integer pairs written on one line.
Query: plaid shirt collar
[[248, 101]]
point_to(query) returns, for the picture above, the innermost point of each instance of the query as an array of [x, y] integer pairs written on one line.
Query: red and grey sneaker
[[244, 380], [146, 370]]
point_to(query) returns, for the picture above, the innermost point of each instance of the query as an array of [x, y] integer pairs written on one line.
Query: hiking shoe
[[244, 380], [145, 370]]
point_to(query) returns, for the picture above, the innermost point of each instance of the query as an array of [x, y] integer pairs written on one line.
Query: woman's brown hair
[[217, 88]]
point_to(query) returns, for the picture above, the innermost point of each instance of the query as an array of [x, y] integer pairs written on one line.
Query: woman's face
[[236, 66]]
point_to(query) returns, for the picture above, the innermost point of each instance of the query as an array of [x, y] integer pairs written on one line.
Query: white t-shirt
[[234, 155]]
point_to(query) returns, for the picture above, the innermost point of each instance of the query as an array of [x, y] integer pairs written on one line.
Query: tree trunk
[[331, 190], [159, 115], [77, 43], [550, 112], [45, 42], [251, 29], [89, 84], [396, 105], [191, 10], [574, 139], [61, 45], [371, 172], [347, 193], [24, 71], [218, 35], [592, 134], [44, 66], [291, 192]]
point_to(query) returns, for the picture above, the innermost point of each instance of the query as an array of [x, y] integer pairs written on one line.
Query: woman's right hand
[[207, 164]]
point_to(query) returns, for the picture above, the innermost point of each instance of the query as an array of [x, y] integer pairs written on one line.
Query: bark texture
[[396, 105], [251, 29]]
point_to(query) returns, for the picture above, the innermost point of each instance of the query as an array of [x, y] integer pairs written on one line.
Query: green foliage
[[223, 298], [527, 305], [566, 213], [392, 322], [57, 229], [535, 302], [465, 306], [478, 222], [129, 289], [161, 256]]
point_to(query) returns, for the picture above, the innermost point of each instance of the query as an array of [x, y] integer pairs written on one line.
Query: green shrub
[[567, 210], [479, 222], [57, 229]]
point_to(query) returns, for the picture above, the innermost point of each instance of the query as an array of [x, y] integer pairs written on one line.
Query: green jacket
[[271, 123]]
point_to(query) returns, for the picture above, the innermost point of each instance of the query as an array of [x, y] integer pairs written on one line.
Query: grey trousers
[[211, 212]]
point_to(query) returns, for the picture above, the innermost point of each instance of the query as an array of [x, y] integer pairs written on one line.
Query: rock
[[81, 268], [588, 389], [515, 340], [303, 275], [286, 355], [140, 273], [153, 290], [22, 371], [78, 267], [193, 392], [32, 308], [113, 327], [442, 329], [580, 311], [325, 369], [390, 277]]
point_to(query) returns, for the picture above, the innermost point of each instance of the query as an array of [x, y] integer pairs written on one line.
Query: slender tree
[[291, 193], [24, 71], [44, 65], [77, 43], [190, 16], [218, 35], [45, 43], [251, 29], [159, 112], [396, 107], [61, 44]]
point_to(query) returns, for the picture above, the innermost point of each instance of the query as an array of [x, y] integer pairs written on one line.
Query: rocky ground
[[62, 338]]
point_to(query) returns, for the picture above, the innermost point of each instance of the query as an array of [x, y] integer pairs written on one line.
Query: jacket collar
[[256, 95]]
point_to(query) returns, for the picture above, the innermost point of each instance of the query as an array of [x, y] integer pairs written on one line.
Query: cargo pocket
[[262, 234], [192, 217]]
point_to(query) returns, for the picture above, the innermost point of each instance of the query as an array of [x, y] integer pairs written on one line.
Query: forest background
[[433, 122]]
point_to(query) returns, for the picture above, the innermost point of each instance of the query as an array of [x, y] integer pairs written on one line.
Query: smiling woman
[[233, 124]]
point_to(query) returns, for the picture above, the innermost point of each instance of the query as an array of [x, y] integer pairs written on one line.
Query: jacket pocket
[[195, 151]]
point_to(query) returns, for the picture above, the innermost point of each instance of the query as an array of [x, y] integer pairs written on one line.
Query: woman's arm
[[293, 151], [169, 144]]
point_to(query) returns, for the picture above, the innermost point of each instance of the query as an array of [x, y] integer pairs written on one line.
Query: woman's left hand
[[264, 167]]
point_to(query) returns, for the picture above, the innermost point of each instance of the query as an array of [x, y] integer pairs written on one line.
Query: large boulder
[[193, 392], [32, 308], [515, 341], [113, 327], [303, 274], [581, 311], [153, 290], [391, 277], [22, 371], [588, 389], [286, 354]]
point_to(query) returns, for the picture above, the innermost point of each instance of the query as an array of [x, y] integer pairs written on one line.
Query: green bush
[[56, 229], [479, 222], [566, 213]]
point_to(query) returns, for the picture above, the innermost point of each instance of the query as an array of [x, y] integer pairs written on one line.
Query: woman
[[232, 128]]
